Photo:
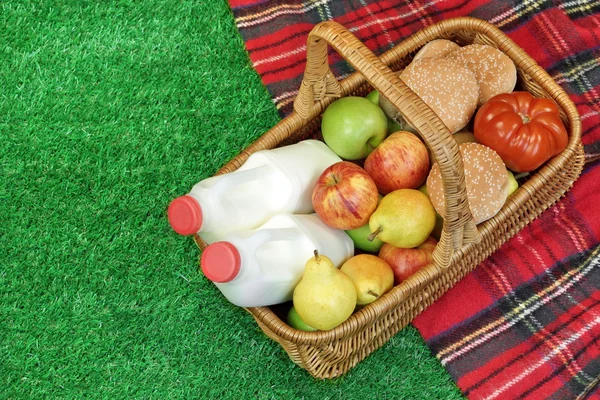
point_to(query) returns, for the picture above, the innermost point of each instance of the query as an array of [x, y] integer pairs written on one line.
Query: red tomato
[[524, 130]]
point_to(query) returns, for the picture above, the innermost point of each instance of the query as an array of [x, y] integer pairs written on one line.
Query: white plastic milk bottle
[[270, 182], [261, 267]]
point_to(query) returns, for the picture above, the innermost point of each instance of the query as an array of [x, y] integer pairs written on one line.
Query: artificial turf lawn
[[108, 110]]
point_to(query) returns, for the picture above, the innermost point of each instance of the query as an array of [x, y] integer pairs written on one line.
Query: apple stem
[[372, 293], [372, 236], [317, 258]]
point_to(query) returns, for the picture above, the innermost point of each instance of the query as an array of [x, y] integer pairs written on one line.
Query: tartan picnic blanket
[[526, 322]]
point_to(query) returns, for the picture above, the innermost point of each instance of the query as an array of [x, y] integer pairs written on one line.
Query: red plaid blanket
[[526, 322]]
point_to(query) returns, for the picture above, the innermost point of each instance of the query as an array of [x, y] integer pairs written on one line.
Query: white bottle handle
[[266, 235], [237, 178]]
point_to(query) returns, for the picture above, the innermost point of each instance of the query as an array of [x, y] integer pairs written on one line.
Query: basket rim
[[376, 310]]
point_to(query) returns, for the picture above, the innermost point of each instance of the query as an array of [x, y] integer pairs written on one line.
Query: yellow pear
[[404, 218], [325, 297], [294, 320], [371, 275]]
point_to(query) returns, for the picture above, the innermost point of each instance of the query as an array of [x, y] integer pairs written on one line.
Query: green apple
[[353, 126], [359, 237], [294, 320]]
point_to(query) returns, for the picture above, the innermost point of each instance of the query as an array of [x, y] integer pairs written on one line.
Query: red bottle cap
[[185, 215], [220, 262]]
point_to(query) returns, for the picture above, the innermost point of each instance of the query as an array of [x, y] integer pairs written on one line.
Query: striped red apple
[[345, 196], [405, 262], [401, 161]]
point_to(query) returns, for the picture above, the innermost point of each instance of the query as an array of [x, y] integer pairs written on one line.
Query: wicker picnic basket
[[463, 245]]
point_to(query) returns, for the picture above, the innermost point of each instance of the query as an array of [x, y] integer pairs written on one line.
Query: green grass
[[108, 110]]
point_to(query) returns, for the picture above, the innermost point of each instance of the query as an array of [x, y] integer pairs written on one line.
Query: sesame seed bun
[[449, 88], [486, 179], [436, 48], [496, 73]]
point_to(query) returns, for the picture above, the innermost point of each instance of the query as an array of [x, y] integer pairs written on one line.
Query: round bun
[[496, 73], [486, 179], [464, 137], [448, 87], [436, 48]]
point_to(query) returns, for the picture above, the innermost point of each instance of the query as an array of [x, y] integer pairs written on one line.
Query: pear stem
[[521, 175], [372, 236], [317, 258], [372, 293]]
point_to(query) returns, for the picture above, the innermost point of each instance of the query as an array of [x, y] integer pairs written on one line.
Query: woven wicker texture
[[327, 354]]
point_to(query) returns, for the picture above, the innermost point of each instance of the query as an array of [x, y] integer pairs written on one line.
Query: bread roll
[[464, 137], [449, 88], [496, 73], [486, 179], [436, 48]]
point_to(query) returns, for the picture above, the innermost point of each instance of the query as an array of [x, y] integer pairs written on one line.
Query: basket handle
[[319, 82]]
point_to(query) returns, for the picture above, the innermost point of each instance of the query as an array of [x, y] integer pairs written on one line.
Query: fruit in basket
[[401, 161], [392, 126], [373, 96], [404, 218], [405, 262], [345, 196], [325, 297], [372, 277], [524, 130], [513, 185], [294, 320], [360, 238], [353, 126], [486, 181]]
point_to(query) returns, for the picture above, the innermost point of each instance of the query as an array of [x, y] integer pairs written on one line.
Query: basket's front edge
[[330, 358]]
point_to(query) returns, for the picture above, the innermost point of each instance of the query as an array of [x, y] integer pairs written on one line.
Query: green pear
[[325, 297], [396, 121], [404, 218], [392, 126], [513, 185]]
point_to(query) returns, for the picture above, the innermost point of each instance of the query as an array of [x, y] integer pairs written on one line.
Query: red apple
[[401, 161], [345, 196], [406, 262]]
